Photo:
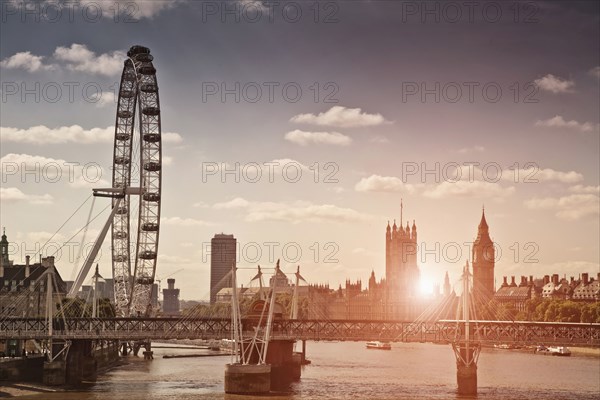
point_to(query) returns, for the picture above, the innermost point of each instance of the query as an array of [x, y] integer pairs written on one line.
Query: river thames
[[347, 370]]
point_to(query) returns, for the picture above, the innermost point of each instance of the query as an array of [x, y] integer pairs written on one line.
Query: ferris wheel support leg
[[92, 256]]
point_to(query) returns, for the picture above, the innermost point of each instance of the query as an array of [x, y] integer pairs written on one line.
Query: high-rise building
[[483, 260], [171, 299], [222, 257]]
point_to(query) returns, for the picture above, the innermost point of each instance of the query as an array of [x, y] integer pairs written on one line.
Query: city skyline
[[368, 141]]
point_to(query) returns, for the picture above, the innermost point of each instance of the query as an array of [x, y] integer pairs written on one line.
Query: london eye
[[138, 94]]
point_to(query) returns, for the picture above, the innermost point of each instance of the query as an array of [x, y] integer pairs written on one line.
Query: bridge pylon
[[466, 347]]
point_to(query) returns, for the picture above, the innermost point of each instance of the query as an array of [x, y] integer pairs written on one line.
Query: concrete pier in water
[[247, 379]]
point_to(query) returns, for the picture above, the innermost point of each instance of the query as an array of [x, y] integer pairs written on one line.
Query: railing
[[487, 332]]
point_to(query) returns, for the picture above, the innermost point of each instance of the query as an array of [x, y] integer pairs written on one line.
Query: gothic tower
[[4, 250], [402, 271], [483, 259]]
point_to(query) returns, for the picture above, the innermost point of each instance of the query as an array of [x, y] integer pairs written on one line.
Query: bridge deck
[[487, 332]]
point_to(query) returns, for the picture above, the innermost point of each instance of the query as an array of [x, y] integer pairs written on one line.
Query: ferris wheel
[[134, 225], [138, 89]]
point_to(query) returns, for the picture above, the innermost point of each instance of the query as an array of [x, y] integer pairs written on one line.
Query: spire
[[414, 227], [401, 209], [483, 223], [388, 226], [394, 227]]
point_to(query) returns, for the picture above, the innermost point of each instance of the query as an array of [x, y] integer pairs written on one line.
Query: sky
[[299, 127]]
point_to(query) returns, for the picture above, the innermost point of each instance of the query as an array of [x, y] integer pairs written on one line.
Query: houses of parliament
[[396, 296]]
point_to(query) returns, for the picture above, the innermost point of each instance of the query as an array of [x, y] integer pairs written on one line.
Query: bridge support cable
[[85, 269]]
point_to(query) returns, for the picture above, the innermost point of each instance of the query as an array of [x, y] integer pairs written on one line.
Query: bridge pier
[[467, 355], [81, 364], [54, 373]]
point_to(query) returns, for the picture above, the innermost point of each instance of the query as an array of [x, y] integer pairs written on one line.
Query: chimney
[[555, 279], [27, 270], [505, 283], [531, 280], [512, 281], [572, 280], [585, 276], [546, 279], [171, 283], [523, 281], [598, 277]]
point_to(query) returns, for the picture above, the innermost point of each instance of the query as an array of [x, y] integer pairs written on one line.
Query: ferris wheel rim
[[138, 96]]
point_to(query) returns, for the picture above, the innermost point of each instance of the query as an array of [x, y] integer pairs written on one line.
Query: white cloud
[[304, 138], [166, 160], [65, 134], [42, 134], [185, 222], [294, 212], [14, 195], [132, 10], [559, 122], [25, 60], [79, 58], [171, 137], [475, 189], [238, 202], [595, 72], [473, 149], [534, 175], [303, 212], [571, 207], [377, 183], [104, 99], [554, 84], [379, 139], [585, 189], [53, 170], [341, 117]]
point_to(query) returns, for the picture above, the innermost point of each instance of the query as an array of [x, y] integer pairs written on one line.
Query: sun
[[426, 287]]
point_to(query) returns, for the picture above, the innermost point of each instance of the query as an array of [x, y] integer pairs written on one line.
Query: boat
[[379, 345], [553, 351]]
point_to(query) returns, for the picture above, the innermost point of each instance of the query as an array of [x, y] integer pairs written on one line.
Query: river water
[[347, 370]]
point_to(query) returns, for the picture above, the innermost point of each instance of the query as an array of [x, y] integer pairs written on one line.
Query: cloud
[[595, 72], [585, 189], [534, 175], [475, 189], [166, 160], [25, 60], [559, 122], [53, 170], [238, 202], [14, 195], [570, 208], [473, 149], [184, 222], [377, 183], [132, 10], [303, 212], [304, 138], [104, 99], [41, 135], [341, 117], [294, 212], [79, 58], [379, 139], [554, 84]]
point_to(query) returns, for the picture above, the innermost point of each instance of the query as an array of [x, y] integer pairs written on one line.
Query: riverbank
[[585, 351], [8, 389]]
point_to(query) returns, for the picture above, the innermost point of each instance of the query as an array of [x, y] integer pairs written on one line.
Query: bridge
[[444, 331]]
